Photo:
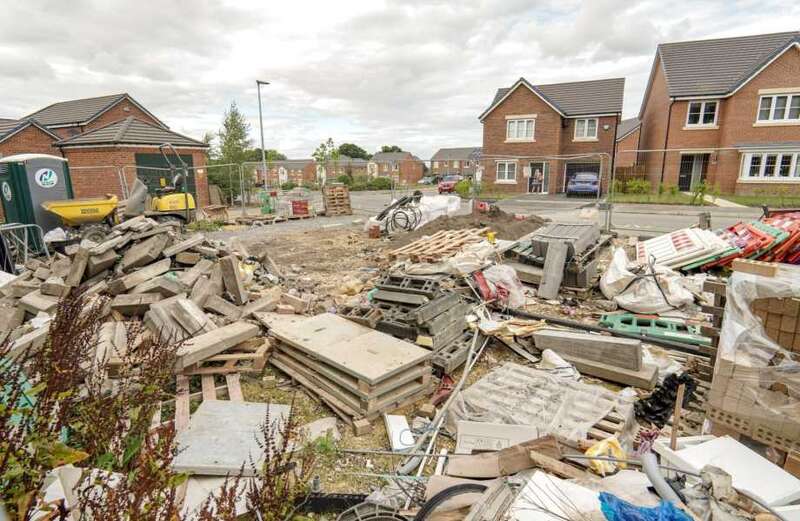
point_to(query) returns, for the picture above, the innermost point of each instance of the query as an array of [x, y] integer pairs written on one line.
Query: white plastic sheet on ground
[[519, 395], [55, 235], [633, 286], [430, 207]]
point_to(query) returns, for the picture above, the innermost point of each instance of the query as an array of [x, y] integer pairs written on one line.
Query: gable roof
[[10, 127], [83, 111], [457, 154], [626, 126], [571, 99], [131, 131], [391, 156], [719, 66]]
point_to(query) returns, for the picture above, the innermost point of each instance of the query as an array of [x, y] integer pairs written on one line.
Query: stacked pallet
[[439, 246], [336, 199], [359, 372]]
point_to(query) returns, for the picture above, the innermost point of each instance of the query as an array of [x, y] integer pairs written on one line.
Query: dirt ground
[[337, 264]]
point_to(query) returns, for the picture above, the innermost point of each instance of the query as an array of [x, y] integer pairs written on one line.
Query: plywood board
[[367, 354]]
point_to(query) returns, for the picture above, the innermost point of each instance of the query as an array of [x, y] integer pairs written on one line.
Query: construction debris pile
[[775, 238], [492, 408]]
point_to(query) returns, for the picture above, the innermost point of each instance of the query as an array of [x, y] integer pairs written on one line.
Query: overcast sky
[[406, 72]]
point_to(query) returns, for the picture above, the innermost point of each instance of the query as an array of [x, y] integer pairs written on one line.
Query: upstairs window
[[781, 107], [586, 129], [701, 113], [519, 129]]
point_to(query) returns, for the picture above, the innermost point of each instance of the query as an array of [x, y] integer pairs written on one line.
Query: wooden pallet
[[183, 398], [439, 246], [244, 358]]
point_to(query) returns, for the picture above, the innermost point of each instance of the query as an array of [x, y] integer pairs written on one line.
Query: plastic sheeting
[[616, 509], [755, 379], [636, 288], [519, 395], [505, 285]]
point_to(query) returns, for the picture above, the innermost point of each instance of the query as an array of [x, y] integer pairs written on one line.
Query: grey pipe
[[650, 467]]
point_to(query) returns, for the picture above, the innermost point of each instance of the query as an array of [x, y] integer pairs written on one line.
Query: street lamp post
[[259, 83]]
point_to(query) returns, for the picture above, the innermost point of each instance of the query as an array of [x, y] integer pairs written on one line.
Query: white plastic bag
[[503, 282], [638, 291]]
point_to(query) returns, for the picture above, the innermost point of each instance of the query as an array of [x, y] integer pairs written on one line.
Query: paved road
[[627, 219]]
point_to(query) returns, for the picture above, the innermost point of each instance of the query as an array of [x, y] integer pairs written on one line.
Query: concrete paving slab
[[222, 435]]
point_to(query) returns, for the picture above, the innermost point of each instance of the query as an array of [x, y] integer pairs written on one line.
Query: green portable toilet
[[26, 181]]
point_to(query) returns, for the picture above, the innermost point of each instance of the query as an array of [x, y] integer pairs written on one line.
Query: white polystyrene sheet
[[748, 470], [545, 497]]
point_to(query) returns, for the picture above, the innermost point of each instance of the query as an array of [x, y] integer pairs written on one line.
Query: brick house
[[627, 142], [26, 136], [106, 139], [725, 111], [101, 160], [404, 167], [456, 161], [535, 137], [298, 171]]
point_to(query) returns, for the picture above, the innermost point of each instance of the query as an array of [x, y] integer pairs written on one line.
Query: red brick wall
[[629, 142], [654, 125], [121, 110], [94, 171], [29, 140]]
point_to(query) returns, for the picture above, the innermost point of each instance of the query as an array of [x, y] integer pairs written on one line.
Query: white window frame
[[586, 136], [771, 120], [794, 167], [516, 121], [455, 164], [700, 123], [505, 180], [435, 164]]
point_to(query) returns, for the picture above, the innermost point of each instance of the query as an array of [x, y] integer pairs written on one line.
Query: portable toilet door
[[28, 180]]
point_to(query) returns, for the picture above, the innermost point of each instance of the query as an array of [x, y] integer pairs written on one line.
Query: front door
[[539, 178], [692, 171]]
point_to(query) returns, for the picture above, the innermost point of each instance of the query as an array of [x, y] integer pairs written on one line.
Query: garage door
[[150, 169], [576, 168]]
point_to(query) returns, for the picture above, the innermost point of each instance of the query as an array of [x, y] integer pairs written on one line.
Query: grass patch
[[773, 201], [205, 226], [651, 198]]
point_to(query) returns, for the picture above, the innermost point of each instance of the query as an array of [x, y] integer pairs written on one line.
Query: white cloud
[[410, 73]]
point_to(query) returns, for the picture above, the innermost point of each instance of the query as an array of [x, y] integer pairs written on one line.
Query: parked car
[[427, 180], [583, 183], [448, 183]]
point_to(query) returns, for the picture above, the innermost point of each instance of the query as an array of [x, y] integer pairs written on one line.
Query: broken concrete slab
[[299, 304], [36, 302], [223, 436], [191, 317], [54, 287], [187, 258], [190, 276], [128, 282], [553, 271], [134, 304], [165, 285], [192, 241], [220, 306], [209, 344], [646, 377], [145, 252], [233, 280], [77, 268], [101, 262], [621, 352]]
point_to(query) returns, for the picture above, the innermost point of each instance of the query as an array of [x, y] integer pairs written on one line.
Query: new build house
[[455, 161], [403, 167], [724, 111], [108, 141], [536, 137]]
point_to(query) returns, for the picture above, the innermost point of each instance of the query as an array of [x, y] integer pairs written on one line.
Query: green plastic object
[[656, 327], [267, 203]]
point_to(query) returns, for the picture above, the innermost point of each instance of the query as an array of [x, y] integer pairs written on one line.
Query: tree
[[233, 139], [354, 151], [326, 152], [254, 155], [391, 148]]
